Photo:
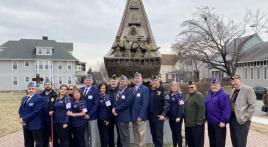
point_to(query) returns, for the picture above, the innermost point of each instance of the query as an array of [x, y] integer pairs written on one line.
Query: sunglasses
[[190, 87], [71, 89]]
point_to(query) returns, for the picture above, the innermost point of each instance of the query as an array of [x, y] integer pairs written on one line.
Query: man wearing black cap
[[112, 91], [48, 95], [158, 108], [122, 110], [194, 116], [243, 106], [139, 111], [31, 117]]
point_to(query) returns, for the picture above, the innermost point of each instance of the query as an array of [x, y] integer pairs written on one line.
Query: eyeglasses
[[190, 87], [235, 77]]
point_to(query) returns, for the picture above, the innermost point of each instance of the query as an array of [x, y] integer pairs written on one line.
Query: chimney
[[44, 38]]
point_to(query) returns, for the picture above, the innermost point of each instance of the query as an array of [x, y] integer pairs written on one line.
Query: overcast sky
[[92, 24]]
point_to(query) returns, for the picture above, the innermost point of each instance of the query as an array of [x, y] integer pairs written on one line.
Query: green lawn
[[9, 119]]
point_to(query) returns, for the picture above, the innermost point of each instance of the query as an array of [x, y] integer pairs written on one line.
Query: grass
[[9, 118]]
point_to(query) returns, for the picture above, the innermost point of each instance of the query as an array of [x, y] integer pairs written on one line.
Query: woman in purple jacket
[[218, 112]]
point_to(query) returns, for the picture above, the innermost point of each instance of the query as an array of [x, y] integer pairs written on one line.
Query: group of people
[[75, 117]]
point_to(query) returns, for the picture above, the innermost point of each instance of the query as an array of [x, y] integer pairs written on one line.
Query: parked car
[[259, 91]]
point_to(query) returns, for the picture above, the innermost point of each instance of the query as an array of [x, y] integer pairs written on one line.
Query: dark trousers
[[217, 136], [79, 136], [195, 136], [33, 137], [123, 129], [63, 135], [111, 134], [103, 127], [47, 134], [156, 127], [176, 132], [239, 133]]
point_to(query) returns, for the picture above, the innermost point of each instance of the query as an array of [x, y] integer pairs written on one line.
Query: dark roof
[[25, 49], [169, 59], [257, 53]]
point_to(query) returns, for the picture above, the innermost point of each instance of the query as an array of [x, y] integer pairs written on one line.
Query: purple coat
[[218, 107]]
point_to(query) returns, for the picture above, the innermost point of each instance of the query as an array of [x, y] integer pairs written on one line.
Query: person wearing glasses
[[218, 112], [175, 113], [243, 100], [71, 89], [194, 116], [30, 113], [122, 110], [77, 121], [158, 108]]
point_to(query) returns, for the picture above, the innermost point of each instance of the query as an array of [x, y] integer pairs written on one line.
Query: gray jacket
[[245, 104]]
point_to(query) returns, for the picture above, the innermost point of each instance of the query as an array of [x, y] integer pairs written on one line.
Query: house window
[[69, 80], [26, 64], [69, 66], [60, 80], [47, 65], [14, 81], [27, 79], [14, 65], [245, 73], [43, 51], [40, 65], [265, 73], [258, 73], [60, 67], [251, 73]]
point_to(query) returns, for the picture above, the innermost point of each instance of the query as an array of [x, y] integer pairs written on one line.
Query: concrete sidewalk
[[255, 139]]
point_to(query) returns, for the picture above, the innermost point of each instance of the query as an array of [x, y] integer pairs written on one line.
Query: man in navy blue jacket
[[90, 95], [30, 113], [49, 96], [139, 110], [122, 110]]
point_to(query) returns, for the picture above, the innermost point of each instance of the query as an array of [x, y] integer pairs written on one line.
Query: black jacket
[[159, 102]]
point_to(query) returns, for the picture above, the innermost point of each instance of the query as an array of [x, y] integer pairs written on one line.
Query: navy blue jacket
[[141, 103], [105, 107], [92, 101], [176, 106], [48, 104], [123, 104], [78, 107], [31, 112], [61, 106]]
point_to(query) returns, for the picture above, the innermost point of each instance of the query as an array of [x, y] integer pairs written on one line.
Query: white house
[[22, 60]]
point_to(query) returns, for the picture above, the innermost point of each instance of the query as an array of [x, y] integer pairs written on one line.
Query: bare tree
[[208, 38]]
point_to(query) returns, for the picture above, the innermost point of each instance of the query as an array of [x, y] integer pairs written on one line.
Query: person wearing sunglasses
[[218, 112], [194, 116], [158, 108], [243, 100]]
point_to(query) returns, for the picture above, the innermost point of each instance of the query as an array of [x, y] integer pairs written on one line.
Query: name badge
[[138, 95], [60, 102], [123, 97], [68, 105], [90, 97], [108, 103], [181, 102], [173, 99], [31, 104]]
